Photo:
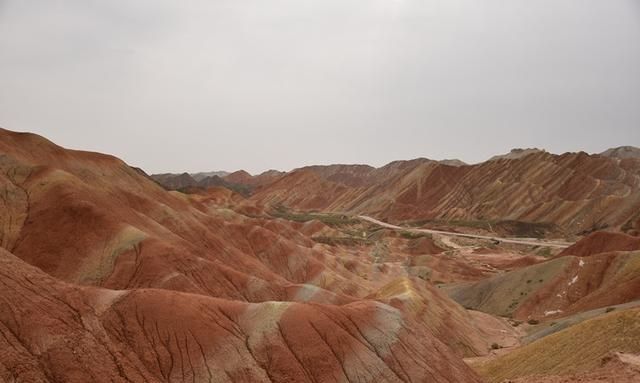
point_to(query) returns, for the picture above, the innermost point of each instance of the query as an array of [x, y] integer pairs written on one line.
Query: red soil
[[602, 280], [107, 276], [573, 190], [602, 242], [60, 332]]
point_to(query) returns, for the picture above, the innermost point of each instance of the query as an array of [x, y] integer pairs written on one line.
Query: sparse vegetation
[[627, 226], [503, 227], [533, 322], [480, 224], [341, 241], [380, 252], [576, 349], [414, 235], [525, 229], [503, 294], [595, 227], [330, 219], [421, 272], [544, 252]]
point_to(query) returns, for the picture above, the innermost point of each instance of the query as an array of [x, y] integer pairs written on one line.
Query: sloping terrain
[[186, 183], [546, 328], [561, 286], [515, 154], [202, 175], [107, 276], [53, 331], [581, 350], [176, 181], [467, 333], [240, 181], [615, 368], [622, 152], [577, 191], [505, 294], [602, 242]]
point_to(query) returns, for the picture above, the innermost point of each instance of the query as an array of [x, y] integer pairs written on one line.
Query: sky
[[202, 85]]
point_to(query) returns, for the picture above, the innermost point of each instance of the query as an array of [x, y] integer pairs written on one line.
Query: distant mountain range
[[576, 191], [240, 181]]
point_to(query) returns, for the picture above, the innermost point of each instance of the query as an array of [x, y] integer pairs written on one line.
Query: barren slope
[[580, 350], [110, 277], [107, 276], [53, 331], [575, 190], [561, 286]]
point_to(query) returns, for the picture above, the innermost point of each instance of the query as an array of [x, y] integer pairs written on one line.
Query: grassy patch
[[544, 252], [475, 224], [330, 219], [414, 235], [341, 241], [525, 229]]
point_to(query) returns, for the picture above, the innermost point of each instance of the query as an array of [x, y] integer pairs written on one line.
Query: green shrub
[[344, 241], [413, 235]]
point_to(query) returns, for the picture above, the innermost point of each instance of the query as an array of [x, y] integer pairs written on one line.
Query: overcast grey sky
[[257, 84]]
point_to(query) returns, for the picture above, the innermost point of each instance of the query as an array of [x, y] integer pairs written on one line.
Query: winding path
[[528, 242]]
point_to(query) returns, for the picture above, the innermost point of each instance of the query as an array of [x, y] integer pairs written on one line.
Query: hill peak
[[517, 153], [622, 152]]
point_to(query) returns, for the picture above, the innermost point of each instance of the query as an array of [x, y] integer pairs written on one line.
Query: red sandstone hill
[[598, 271], [256, 182], [602, 242], [106, 276], [175, 181], [238, 177], [240, 181], [577, 191], [54, 331]]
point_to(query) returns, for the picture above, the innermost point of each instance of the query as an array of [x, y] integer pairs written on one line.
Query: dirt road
[[528, 242]]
